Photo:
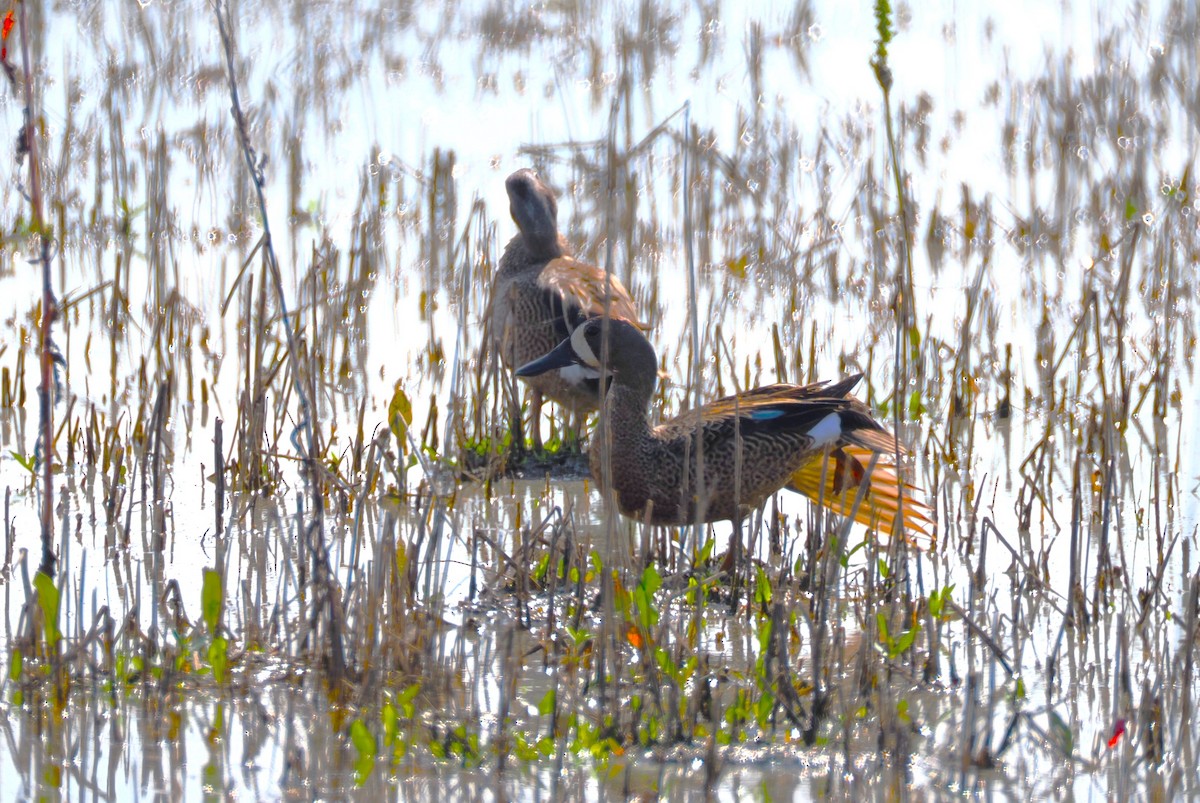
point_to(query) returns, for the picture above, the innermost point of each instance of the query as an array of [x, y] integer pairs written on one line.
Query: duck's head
[[534, 210], [631, 358]]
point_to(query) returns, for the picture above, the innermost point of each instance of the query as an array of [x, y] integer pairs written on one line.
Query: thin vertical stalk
[[694, 381], [28, 146], [312, 470], [904, 306]]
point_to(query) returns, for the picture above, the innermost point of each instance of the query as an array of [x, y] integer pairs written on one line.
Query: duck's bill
[[560, 357]]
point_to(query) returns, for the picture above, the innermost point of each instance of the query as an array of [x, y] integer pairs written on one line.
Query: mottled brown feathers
[[583, 286]]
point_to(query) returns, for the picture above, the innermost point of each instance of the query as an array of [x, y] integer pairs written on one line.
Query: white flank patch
[[827, 430], [576, 375], [582, 350]]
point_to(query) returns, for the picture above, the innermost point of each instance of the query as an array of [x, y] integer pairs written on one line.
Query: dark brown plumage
[[754, 443], [541, 294]]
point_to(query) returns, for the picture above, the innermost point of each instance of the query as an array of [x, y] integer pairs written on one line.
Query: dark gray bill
[[560, 357]]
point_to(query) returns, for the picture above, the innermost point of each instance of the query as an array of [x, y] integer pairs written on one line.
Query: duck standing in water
[[751, 444], [541, 294]]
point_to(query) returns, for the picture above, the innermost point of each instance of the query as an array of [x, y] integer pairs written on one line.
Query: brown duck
[[541, 294], [754, 443]]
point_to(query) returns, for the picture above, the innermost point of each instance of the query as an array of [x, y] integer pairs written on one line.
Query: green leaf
[[663, 659], [546, 706], [364, 745], [916, 407], [938, 600], [361, 738], [644, 596], [212, 599], [905, 641], [48, 600], [406, 699], [522, 748], [399, 414], [914, 338], [1060, 733], [762, 711], [762, 588], [539, 570], [27, 462], [764, 641], [391, 723], [218, 658], [860, 545], [651, 580]]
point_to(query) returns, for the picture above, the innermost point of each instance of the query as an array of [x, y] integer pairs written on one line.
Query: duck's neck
[[625, 427], [524, 252]]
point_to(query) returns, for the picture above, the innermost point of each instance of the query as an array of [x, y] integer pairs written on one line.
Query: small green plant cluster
[[126, 658]]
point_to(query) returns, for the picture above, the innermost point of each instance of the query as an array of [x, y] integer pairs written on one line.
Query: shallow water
[[1046, 157]]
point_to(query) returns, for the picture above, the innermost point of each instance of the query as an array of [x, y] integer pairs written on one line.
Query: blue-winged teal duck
[[754, 443], [541, 294]]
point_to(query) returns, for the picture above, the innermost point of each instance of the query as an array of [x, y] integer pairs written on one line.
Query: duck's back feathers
[[821, 411], [581, 291]]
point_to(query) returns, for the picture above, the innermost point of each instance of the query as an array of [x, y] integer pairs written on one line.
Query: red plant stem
[[49, 312]]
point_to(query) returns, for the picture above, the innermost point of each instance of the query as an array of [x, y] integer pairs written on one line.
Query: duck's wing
[[781, 408], [839, 434], [582, 292]]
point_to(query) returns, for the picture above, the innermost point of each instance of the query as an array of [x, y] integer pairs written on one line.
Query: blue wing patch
[[765, 415]]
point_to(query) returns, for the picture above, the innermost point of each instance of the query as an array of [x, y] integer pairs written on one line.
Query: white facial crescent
[[582, 350]]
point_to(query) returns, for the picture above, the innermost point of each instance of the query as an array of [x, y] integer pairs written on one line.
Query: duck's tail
[[835, 482]]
